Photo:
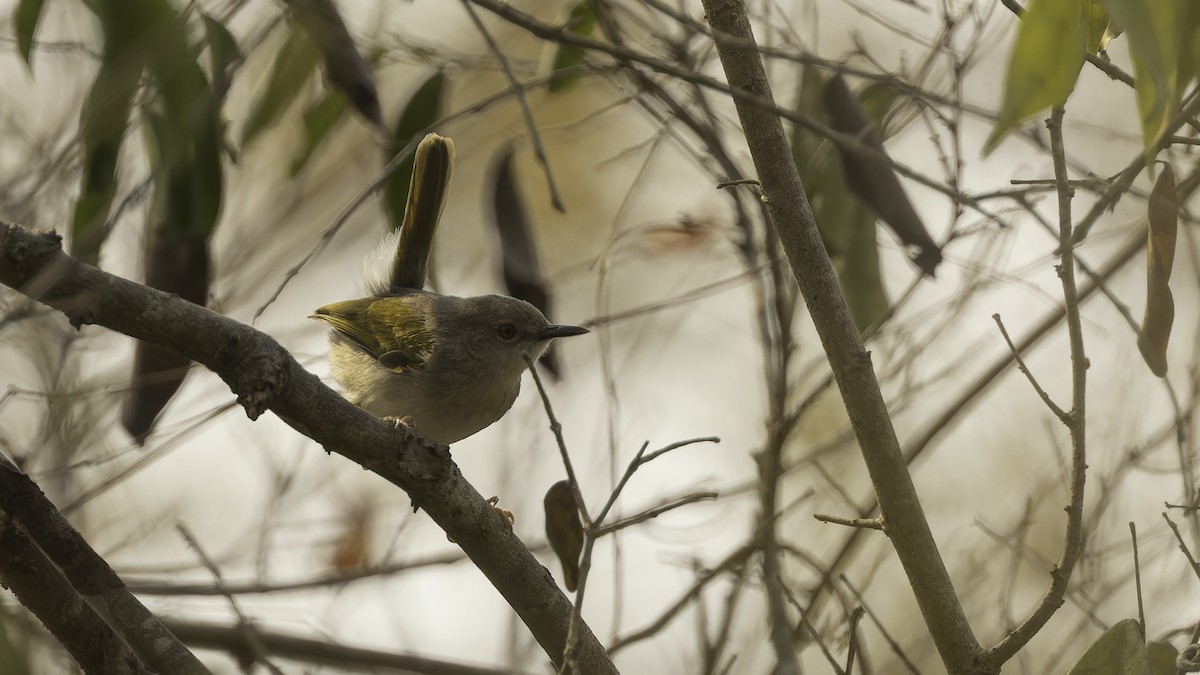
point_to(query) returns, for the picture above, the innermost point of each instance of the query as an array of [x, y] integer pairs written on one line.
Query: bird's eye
[[506, 331]]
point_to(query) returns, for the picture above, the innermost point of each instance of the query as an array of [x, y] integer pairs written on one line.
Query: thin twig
[[1060, 576], [852, 648], [1137, 577], [245, 625], [1183, 545], [568, 663], [792, 217], [556, 428], [896, 648], [539, 151], [654, 512], [732, 560], [821, 645], [1058, 412], [867, 523]]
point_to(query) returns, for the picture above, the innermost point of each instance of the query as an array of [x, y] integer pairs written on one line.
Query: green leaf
[[1120, 651], [1155, 30], [1045, 62], [319, 119], [294, 64], [1095, 25], [848, 228], [859, 273], [102, 123], [345, 67], [223, 51], [877, 100], [568, 58], [1162, 658], [25, 22], [423, 109]]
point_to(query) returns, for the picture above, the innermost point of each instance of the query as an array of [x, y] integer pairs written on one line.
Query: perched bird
[[449, 366]]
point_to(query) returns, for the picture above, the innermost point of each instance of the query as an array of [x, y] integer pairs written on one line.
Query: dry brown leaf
[[1160, 257], [564, 530]]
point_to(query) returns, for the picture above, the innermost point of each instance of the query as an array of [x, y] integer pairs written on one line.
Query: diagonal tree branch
[[851, 364], [265, 377], [41, 588], [25, 508]]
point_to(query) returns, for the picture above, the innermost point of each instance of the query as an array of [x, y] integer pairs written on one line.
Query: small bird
[[449, 366]]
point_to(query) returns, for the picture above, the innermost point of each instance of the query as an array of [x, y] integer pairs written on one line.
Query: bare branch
[[867, 523], [265, 377], [850, 363], [1058, 412]]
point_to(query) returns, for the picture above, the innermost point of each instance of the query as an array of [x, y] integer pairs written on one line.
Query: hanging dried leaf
[[521, 269], [848, 228], [344, 65], [1160, 257], [871, 176], [176, 262], [564, 530]]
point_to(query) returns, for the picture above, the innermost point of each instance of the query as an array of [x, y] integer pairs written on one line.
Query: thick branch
[[851, 364], [43, 590], [265, 377], [24, 505]]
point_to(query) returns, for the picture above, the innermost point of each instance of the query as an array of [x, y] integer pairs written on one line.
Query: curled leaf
[[1160, 258], [564, 530]]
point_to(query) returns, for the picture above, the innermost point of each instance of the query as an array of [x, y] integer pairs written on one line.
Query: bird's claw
[[505, 515]]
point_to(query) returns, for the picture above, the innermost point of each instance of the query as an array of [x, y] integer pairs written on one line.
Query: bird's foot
[[407, 422], [505, 515], [408, 426]]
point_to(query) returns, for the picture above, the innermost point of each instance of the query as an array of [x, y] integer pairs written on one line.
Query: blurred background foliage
[[248, 155]]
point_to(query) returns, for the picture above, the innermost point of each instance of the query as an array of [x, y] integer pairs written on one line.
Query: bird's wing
[[390, 329]]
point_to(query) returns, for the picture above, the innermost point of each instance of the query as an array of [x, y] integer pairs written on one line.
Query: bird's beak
[[558, 331]]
